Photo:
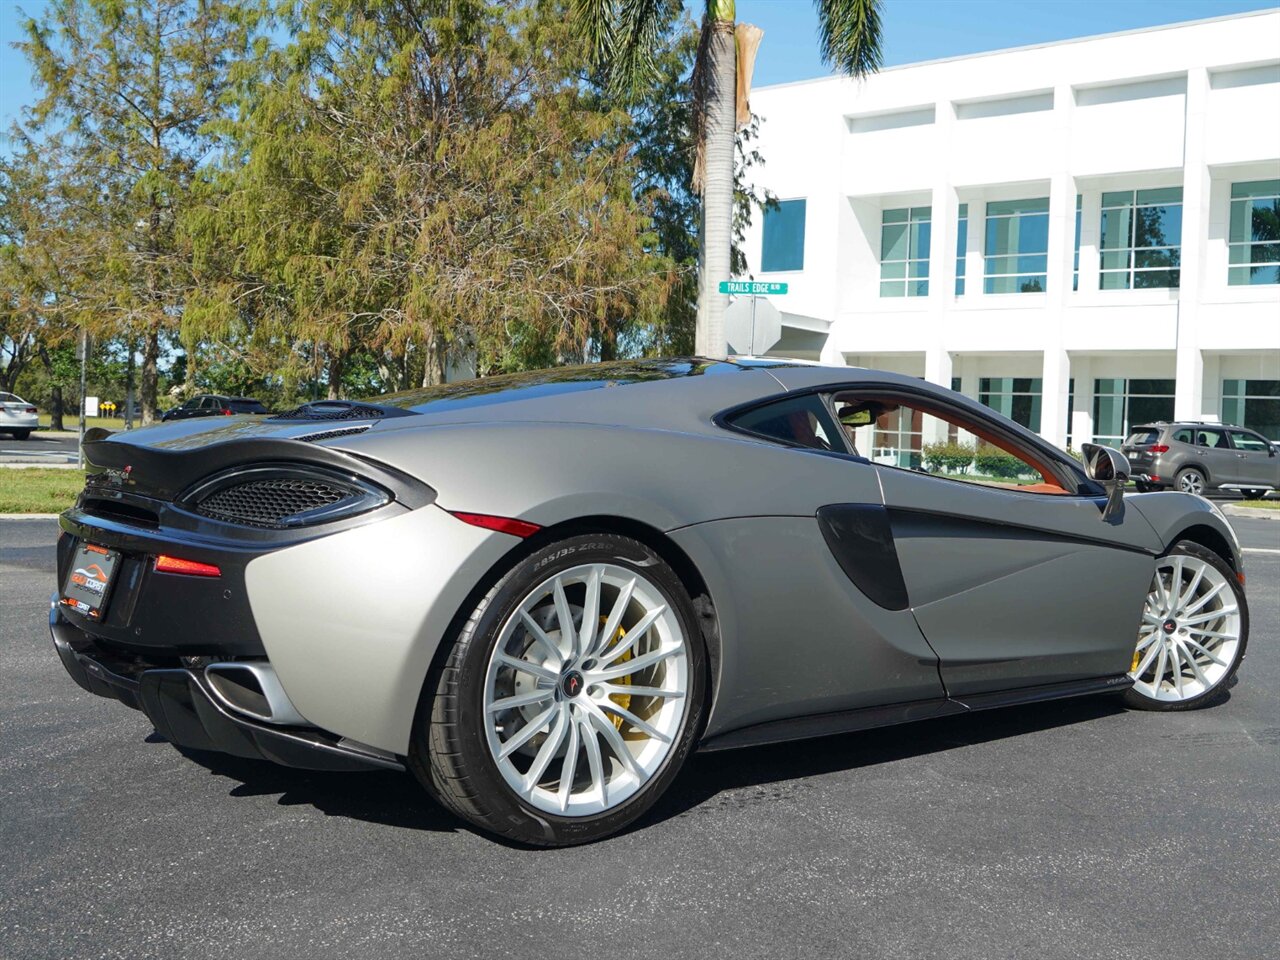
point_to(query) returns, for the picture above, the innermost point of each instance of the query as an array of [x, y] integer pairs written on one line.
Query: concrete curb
[[51, 466], [29, 516], [1259, 513]]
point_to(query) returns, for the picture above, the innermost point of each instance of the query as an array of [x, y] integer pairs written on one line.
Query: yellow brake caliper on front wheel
[[621, 699]]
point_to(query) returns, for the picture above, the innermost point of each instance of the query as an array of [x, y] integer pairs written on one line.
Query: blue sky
[[914, 30]]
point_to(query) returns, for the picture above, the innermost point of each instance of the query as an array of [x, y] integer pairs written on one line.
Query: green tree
[[421, 179], [127, 88], [625, 36]]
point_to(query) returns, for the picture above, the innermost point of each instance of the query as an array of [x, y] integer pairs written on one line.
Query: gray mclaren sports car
[[540, 592]]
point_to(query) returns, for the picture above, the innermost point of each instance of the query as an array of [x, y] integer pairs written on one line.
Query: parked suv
[[211, 405], [1194, 457]]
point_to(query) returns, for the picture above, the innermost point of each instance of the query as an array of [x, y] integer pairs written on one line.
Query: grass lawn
[[1264, 504], [38, 489], [71, 422]]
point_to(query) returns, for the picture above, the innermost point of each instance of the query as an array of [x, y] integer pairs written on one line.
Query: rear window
[[800, 421], [1143, 437], [247, 406]]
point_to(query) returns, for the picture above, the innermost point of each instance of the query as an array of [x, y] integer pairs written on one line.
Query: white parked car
[[17, 417]]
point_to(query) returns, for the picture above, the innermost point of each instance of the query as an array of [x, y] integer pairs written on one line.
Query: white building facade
[[1083, 235]]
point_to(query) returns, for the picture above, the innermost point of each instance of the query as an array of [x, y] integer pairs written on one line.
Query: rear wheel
[[1195, 627], [1141, 486], [1253, 494], [21, 434], [571, 698], [1190, 480]]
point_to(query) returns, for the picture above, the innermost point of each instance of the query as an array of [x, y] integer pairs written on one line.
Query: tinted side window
[[1211, 438], [802, 421], [1182, 436], [1248, 441]]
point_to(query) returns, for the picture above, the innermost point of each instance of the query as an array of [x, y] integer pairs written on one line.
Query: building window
[[1016, 256], [1075, 274], [1254, 242], [962, 243], [1141, 238], [1120, 404], [1018, 398], [1254, 404], [904, 252], [783, 247]]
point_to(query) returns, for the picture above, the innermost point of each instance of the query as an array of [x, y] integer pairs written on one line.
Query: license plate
[[88, 582]]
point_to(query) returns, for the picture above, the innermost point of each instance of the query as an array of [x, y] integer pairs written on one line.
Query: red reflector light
[[1160, 448], [517, 528], [227, 411], [1155, 479], [191, 568], [31, 409]]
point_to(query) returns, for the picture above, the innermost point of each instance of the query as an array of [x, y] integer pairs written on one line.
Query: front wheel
[[571, 697], [1195, 627]]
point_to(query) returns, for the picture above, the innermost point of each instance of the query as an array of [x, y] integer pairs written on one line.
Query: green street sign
[[752, 287]]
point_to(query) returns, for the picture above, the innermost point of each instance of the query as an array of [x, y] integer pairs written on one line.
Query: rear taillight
[[1160, 448], [227, 411], [192, 568], [31, 409]]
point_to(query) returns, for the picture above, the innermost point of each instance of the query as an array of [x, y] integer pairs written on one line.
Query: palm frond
[[623, 36], [850, 35]]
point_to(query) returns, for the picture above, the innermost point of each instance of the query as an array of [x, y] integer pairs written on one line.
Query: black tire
[[1184, 476], [1253, 494], [448, 751], [1141, 486], [1133, 698], [21, 434]]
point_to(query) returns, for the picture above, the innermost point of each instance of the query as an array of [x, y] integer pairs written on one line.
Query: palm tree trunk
[[717, 199]]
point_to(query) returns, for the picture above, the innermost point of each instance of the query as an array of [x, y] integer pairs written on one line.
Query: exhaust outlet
[[251, 687]]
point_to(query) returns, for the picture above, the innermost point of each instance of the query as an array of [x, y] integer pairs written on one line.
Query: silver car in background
[[541, 592], [1195, 457], [18, 418]]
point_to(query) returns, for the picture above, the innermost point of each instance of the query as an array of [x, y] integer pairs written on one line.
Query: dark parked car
[[1195, 457], [212, 405]]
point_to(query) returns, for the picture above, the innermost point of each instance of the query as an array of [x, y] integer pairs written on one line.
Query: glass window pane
[[1261, 388], [893, 288], [1154, 279], [894, 244], [1262, 415], [1005, 207], [920, 240], [1114, 280], [1163, 259], [894, 270], [1118, 198], [1115, 228], [918, 288], [1117, 259], [1264, 220], [895, 216], [1160, 195], [918, 268], [1263, 252], [1240, 216], [1157, 226], [1253, 276], [1256, 188], [783, 245]]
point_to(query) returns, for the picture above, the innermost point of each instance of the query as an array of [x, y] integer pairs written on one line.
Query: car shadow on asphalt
[[710, 775], [382, 797], [396, 800]]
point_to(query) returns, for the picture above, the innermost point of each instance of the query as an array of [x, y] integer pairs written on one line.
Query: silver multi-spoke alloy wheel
[[586, 689], [1191, 481], [1191, 633]]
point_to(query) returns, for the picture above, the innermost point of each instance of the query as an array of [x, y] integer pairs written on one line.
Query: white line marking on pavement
[[1258, 550]]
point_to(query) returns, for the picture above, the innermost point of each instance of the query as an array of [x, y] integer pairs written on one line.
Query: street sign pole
[[84, 368]]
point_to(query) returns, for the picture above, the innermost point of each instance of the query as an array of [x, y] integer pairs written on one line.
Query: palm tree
[[623, 35]]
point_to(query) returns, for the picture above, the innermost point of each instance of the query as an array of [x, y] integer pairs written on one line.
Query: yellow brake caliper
[[621, 699]]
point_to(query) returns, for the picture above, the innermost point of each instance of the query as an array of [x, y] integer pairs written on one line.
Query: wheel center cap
[[1169, 626], [571, 684]]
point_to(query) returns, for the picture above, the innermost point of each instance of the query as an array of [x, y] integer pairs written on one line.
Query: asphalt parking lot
[[1067, 830], [42, 448]]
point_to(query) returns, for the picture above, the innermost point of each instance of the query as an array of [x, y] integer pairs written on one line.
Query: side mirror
[[1109, 467]]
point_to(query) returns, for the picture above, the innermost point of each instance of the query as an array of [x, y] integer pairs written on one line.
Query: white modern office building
[[1084, 235]]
